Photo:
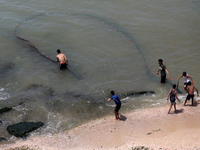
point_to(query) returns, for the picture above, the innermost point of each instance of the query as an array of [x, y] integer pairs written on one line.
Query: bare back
[[190, 90], [62, 58]]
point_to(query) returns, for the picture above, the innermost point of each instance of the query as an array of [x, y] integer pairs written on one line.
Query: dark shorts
[[163, 78], [190, 96], [63, 66], [172, 100], [117, 108], [186, 84]]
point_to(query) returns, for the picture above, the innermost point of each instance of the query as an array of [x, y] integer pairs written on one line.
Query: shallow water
[[106, 43]]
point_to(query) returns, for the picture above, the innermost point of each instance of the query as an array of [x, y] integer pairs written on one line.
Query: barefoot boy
[[190, 90], [117, 104], [173, 96]]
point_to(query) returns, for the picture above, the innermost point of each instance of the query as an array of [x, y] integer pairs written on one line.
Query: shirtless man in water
[[190, 90], [62, 59]]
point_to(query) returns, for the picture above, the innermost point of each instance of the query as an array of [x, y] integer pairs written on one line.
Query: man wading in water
[[190, 90], [62, 59], [163, 70]]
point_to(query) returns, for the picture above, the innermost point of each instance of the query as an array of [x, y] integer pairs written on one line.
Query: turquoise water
[[101, 40]]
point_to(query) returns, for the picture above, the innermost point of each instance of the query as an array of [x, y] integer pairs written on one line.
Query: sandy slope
[[153, 128]]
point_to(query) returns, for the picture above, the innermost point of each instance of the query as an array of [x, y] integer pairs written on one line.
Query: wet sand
[[152, 128]]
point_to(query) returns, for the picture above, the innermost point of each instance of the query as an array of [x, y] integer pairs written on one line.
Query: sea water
[[111, 45]]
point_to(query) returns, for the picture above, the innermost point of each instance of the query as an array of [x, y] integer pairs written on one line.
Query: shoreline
[[152, 128]]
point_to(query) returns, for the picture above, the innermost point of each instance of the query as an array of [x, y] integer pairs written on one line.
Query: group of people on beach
[[172, 95], [173, 92]]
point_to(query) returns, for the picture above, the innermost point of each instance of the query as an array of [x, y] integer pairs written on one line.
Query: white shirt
[[186, 79]]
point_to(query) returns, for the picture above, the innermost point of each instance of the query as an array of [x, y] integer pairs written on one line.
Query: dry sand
[[152, 128]]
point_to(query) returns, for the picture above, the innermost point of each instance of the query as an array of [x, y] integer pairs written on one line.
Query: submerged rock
[[5, 68], [1, 122], [5, 109], [23, 128], [2, 139], [41, 88], [136, 93]]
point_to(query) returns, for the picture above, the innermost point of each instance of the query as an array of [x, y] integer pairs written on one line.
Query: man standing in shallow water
[[62, 59], [163, 70], [117, 104], [190, 90]]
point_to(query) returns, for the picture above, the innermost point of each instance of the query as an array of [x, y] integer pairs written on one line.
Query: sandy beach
[[152, 128]]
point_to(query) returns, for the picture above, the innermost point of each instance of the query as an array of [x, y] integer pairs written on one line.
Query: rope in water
[[134, 45], [34, 46], [42, 14]]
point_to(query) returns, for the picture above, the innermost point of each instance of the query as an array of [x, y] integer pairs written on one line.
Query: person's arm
[[57, 59], [187, 90], [66, 60], [168, 74], [197, 91], [158, 71], [176, 96], [109, 99], [168, 95], [180, 77], [190, 78]]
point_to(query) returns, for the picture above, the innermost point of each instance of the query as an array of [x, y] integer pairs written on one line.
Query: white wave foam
[[3, 94]]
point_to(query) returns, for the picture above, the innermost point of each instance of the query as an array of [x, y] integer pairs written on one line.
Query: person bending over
[[117, 104], [186, 79], [62, 59]]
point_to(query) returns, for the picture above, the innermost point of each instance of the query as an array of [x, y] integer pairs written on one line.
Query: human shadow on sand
[[122, 118], [179, 111], [194, 104]]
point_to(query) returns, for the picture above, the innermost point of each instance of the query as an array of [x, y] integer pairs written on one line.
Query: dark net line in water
[[134, 45], [34, 46]]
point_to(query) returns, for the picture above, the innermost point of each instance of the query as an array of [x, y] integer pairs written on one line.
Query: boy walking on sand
[[117, 104], [173, 95], [190, 90]]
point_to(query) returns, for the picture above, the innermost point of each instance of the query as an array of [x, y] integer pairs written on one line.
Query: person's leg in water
[[63, 66], [185, 86], [163, 79]]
